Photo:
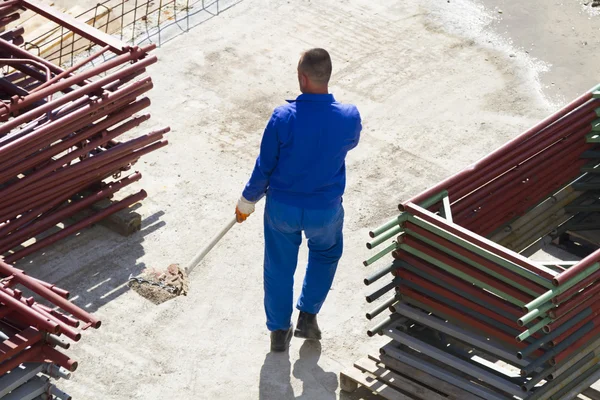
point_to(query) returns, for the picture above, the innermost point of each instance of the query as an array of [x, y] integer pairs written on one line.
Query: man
[[301, 168]]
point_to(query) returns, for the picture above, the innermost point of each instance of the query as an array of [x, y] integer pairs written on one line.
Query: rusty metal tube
[[73, 229], [40, 289], [507, 148]]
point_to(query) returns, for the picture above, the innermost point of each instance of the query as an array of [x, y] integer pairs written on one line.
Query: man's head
[[314, 71]]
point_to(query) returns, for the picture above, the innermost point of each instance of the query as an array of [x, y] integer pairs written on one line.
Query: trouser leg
[[325, 242], [282, 242]]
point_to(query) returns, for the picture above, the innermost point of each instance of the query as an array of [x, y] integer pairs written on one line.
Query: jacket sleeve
[[265, 163], [357, 129]]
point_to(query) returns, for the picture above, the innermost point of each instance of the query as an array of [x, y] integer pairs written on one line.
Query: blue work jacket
[[303, 152]]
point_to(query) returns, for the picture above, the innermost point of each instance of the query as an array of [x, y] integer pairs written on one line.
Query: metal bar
[[391, 353], [29, 390], [448, 328], [552, 353], [507, 148], [71, 69], [73, 229], [382, 307], [453, 361], [396, 221], [18, 377], [474, 260], [379, 274], [412, 296], [383, 290], [532, 272], [15, 122], [585, 380], [382, 238], [454, 300], [77, 26], [554, 334], [459, 286], [381, 325], [546, 372], [463, 271], [381, 254], [550, 294]]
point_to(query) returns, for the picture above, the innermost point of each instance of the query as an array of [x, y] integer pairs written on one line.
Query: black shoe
[[307, 327], [280, 340]]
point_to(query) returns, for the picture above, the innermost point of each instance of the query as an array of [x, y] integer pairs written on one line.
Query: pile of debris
[[461, 301]]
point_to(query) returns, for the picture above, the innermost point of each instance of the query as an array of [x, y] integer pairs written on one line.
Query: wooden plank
[[454, 393], [373, 385], [398, 381]]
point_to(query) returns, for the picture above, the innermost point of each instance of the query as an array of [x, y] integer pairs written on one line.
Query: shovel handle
[[198, 257]]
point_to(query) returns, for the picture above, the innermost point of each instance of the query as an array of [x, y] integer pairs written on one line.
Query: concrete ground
[[437, 89]]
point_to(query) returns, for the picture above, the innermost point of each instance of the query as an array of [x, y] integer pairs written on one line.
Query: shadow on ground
[[317, 383], [94, 264]]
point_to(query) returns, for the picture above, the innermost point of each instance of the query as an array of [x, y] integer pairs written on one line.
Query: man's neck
[[322, 90]]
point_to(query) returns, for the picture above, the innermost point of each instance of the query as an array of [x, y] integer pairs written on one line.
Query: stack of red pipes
[[61, 151]]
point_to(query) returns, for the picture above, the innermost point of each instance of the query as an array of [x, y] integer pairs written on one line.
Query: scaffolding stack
[[461, 300]]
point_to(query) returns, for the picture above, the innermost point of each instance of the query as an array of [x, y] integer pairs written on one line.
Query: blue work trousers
[[284, 225]]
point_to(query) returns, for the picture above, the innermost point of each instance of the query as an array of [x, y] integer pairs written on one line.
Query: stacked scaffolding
[[61, 151], [454, 288]]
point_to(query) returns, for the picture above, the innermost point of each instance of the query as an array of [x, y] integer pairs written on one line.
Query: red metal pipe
[[511, 190], [16, 239], [576, 269], [28, 355], [532, 166], [462, 285], [470, 323], [72, 69], [39, 322], [48, 294], [584, 284], [75, 228], [471, 271], [574, 328], [504, 149], [65, 328], [15, 344], [72, 322], [9, 18], [476, 239], [63, 192], [86, 74], [55, 129], [79, 138], [56, 149], [23, 190], [56, 357], [577, 303], [9, 282], [38, 111], [476, 258], [562, 319], [52, 130], [579, 344], [576, 120], [519, 206], [425, 284]]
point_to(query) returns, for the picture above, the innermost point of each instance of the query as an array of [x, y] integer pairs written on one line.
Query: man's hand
[[244, 209]]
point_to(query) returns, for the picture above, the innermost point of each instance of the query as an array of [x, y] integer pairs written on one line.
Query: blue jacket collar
[[328, 98]]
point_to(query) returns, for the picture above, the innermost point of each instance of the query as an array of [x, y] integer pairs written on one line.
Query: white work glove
[[244, 209]]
